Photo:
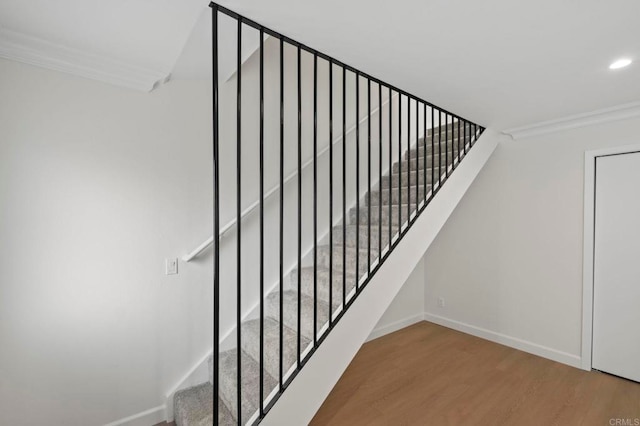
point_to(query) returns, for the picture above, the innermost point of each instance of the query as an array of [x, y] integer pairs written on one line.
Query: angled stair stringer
[[307, 392]]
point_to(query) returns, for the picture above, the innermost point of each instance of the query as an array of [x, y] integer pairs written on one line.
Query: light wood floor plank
[[426, 374]]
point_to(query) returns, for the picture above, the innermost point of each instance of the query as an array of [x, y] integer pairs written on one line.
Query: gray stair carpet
[[330, 282]]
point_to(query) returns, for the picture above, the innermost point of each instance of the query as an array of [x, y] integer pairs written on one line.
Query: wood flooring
[[426, 374]]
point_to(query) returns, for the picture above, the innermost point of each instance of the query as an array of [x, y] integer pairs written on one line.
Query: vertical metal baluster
[[465, 136], [453, 144], [369, 176], [239, 219], [315, 200], [390, 168], [424, 155], [446, 145], [299, 204], [380, 173], [261, 361], [216, 213], [417, 155], [439, 149], [344, 188], [280, 365], [400, 166], [357, 181], [475, 134], [458, 141], [433, 155], [409, 163], [330, 192]]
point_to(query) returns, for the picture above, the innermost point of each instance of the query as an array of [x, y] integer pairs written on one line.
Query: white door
[[616, 292]]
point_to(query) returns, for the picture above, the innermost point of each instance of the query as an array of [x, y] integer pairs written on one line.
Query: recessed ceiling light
[[620, 63]]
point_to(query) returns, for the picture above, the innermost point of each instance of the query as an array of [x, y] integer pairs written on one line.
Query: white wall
[[406, 308], [509, 260], [97, 186]]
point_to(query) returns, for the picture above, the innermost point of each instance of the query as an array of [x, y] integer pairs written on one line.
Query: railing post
[[380, 174], [281, 211], [216, 215], [357, 181], [369, 177], [390, 167], [424, 154], [261, 361], [344, 188], [315, 201], [433, 155], [331, 193], [400, 166], [239, 219], [299, 331], [417, 157]]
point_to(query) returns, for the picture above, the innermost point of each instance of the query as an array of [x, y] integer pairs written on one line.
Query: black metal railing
[[405, 152]]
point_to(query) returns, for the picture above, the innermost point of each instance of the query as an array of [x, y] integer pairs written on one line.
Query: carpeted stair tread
[[271, 353], [411, 164], [395, 215], [194, 406], [447, 127], [306, 284], [324, 252], [452, 150], [290, 313], [224, 415], [364, 231], [250, 383], [397, 195]]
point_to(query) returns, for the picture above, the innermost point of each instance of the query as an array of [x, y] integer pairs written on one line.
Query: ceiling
[[131, 43], [502, 63]]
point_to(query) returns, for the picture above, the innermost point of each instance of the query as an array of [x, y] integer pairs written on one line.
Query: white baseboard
[[395, 326], [513, 342], [146, 418]]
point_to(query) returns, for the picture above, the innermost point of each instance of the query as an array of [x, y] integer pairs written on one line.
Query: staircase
[[381, 218]]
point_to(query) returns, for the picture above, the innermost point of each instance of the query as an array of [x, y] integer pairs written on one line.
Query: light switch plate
[[171, 266]]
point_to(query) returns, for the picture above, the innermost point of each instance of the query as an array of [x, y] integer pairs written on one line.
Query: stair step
[[448, 140], [447, 137], [250, 383], [271, 353], [401, 180], [411, 164], [396, 195], [306, 284], [290, 313], [324, 252], [447, 127], [385, 215], [451, 149], [364, 232], [194, 407], [224, 415]]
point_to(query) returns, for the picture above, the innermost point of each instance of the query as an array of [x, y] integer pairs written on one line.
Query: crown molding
[[620, 112], [42, 53]]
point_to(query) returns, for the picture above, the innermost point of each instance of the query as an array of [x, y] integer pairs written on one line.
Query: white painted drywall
[[406, 308], [509, 260], [98, 185]]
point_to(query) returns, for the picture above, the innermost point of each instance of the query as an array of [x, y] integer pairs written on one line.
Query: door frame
[[590, 158]]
